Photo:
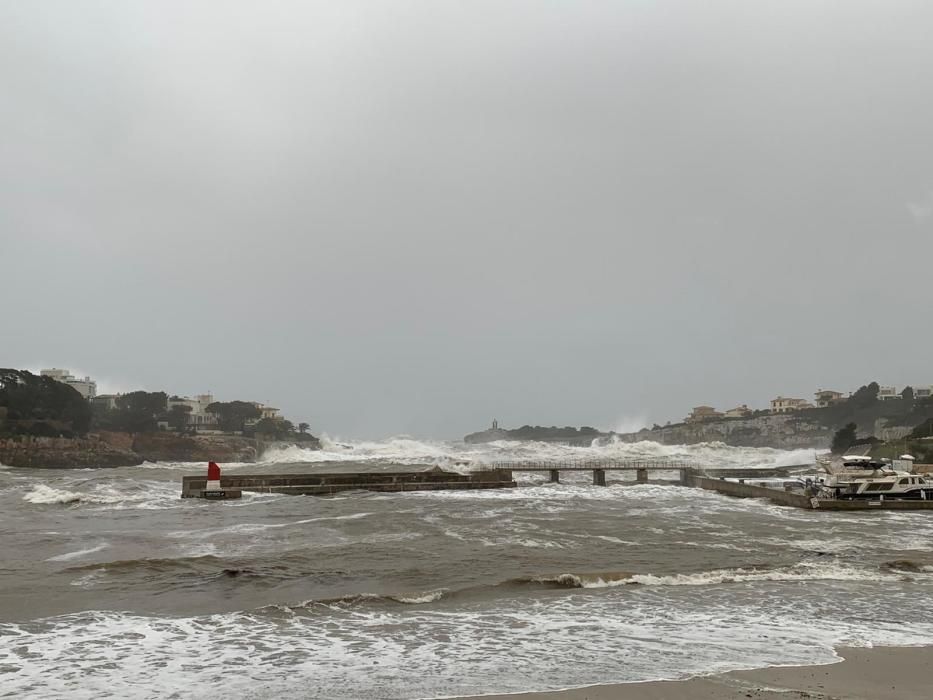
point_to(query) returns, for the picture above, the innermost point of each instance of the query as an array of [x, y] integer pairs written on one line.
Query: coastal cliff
[[116, 449], [784, 431], [812, 428], [162, 447], [64, 453]]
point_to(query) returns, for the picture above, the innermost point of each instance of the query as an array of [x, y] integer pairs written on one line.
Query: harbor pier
[[322, 484], [795, 498], [727, 481]]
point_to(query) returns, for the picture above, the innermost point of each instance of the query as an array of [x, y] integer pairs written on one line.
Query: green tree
[[139, 411], [178, 417], [865, 395], [232, 415], [44, 404], [274, 427], [924, 430], [844, 438], [907, 397], [303, 428]]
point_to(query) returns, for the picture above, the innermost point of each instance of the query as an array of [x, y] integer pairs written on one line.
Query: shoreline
[[862, 673]]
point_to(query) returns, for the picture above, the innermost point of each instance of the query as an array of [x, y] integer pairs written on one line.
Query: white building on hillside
[[106, 400], [827, 397], [742, 411], [269, 412], [782, 404], [886, 393], [702, 413], [198, 415], [87, 387]]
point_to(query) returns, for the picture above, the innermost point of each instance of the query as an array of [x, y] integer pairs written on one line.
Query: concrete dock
[[796, 499], [324, 484], [729, 482]]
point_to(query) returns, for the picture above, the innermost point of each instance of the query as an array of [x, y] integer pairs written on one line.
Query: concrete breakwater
[[325, 484], [795, 499]]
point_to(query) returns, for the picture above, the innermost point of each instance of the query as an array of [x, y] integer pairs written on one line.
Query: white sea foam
[[421, 598], [807, 571], [80, 553], [407, 450], [44, 494], [241, 528], [112, 495], [577, 638]]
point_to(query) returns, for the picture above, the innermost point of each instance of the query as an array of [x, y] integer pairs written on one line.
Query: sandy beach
[[881, 673]]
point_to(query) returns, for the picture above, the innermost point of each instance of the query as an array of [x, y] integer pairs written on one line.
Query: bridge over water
[[641, 467]]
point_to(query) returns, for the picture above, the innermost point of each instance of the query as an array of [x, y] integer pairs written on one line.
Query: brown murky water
[[112, 586]]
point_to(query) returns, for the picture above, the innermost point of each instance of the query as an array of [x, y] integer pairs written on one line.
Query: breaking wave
[[43, 494], [117, 494], [410, 451], [68, 556], [800, 572]]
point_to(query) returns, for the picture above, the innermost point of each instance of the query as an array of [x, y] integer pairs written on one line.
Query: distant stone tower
[[495, 424]]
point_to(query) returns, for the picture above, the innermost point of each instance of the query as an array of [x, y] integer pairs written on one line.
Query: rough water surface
[[113, 586]]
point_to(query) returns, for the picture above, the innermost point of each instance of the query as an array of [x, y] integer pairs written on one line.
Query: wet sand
[[881, 673]]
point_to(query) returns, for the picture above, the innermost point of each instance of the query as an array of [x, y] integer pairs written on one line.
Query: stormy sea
[[111, 586]]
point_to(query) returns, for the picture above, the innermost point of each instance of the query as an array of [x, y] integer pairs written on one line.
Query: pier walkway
[[641, 467], [599, 467]]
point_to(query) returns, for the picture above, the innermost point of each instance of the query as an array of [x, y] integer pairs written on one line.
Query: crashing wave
[[43, 494], [406, 450]]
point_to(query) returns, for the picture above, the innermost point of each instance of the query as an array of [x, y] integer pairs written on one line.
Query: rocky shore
[[113, 449], [64, 453], [787, 431]]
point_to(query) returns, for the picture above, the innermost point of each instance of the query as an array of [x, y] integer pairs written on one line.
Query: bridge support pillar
[[641, 476], [555, 476], [599, 477]]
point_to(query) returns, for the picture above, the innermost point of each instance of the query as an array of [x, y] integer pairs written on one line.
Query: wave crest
[[43, 494]]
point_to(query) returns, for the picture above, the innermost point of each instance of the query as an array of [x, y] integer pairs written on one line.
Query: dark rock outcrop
[[64, 453], [166, 447], [491, 435], [116, 449], [783, 430]]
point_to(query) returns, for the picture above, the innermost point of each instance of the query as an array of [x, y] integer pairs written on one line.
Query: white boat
[[861, 477]]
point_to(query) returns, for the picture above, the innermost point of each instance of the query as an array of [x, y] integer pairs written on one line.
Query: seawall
[[323, 484]]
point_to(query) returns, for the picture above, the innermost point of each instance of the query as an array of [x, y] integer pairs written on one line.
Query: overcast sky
[[413, 217]]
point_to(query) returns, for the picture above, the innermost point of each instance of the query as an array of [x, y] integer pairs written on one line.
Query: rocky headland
[[803, 429], [568, 435], [783, 431], [116, 449]]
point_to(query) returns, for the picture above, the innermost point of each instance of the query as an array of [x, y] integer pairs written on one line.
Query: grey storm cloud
[[417, 216]]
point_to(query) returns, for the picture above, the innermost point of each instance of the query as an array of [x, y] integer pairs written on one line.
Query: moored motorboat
[[862, 477]]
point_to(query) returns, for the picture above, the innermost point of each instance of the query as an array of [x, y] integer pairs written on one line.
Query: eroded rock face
[[114, 449], [785, 431], [64, 453], [165, 447]]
